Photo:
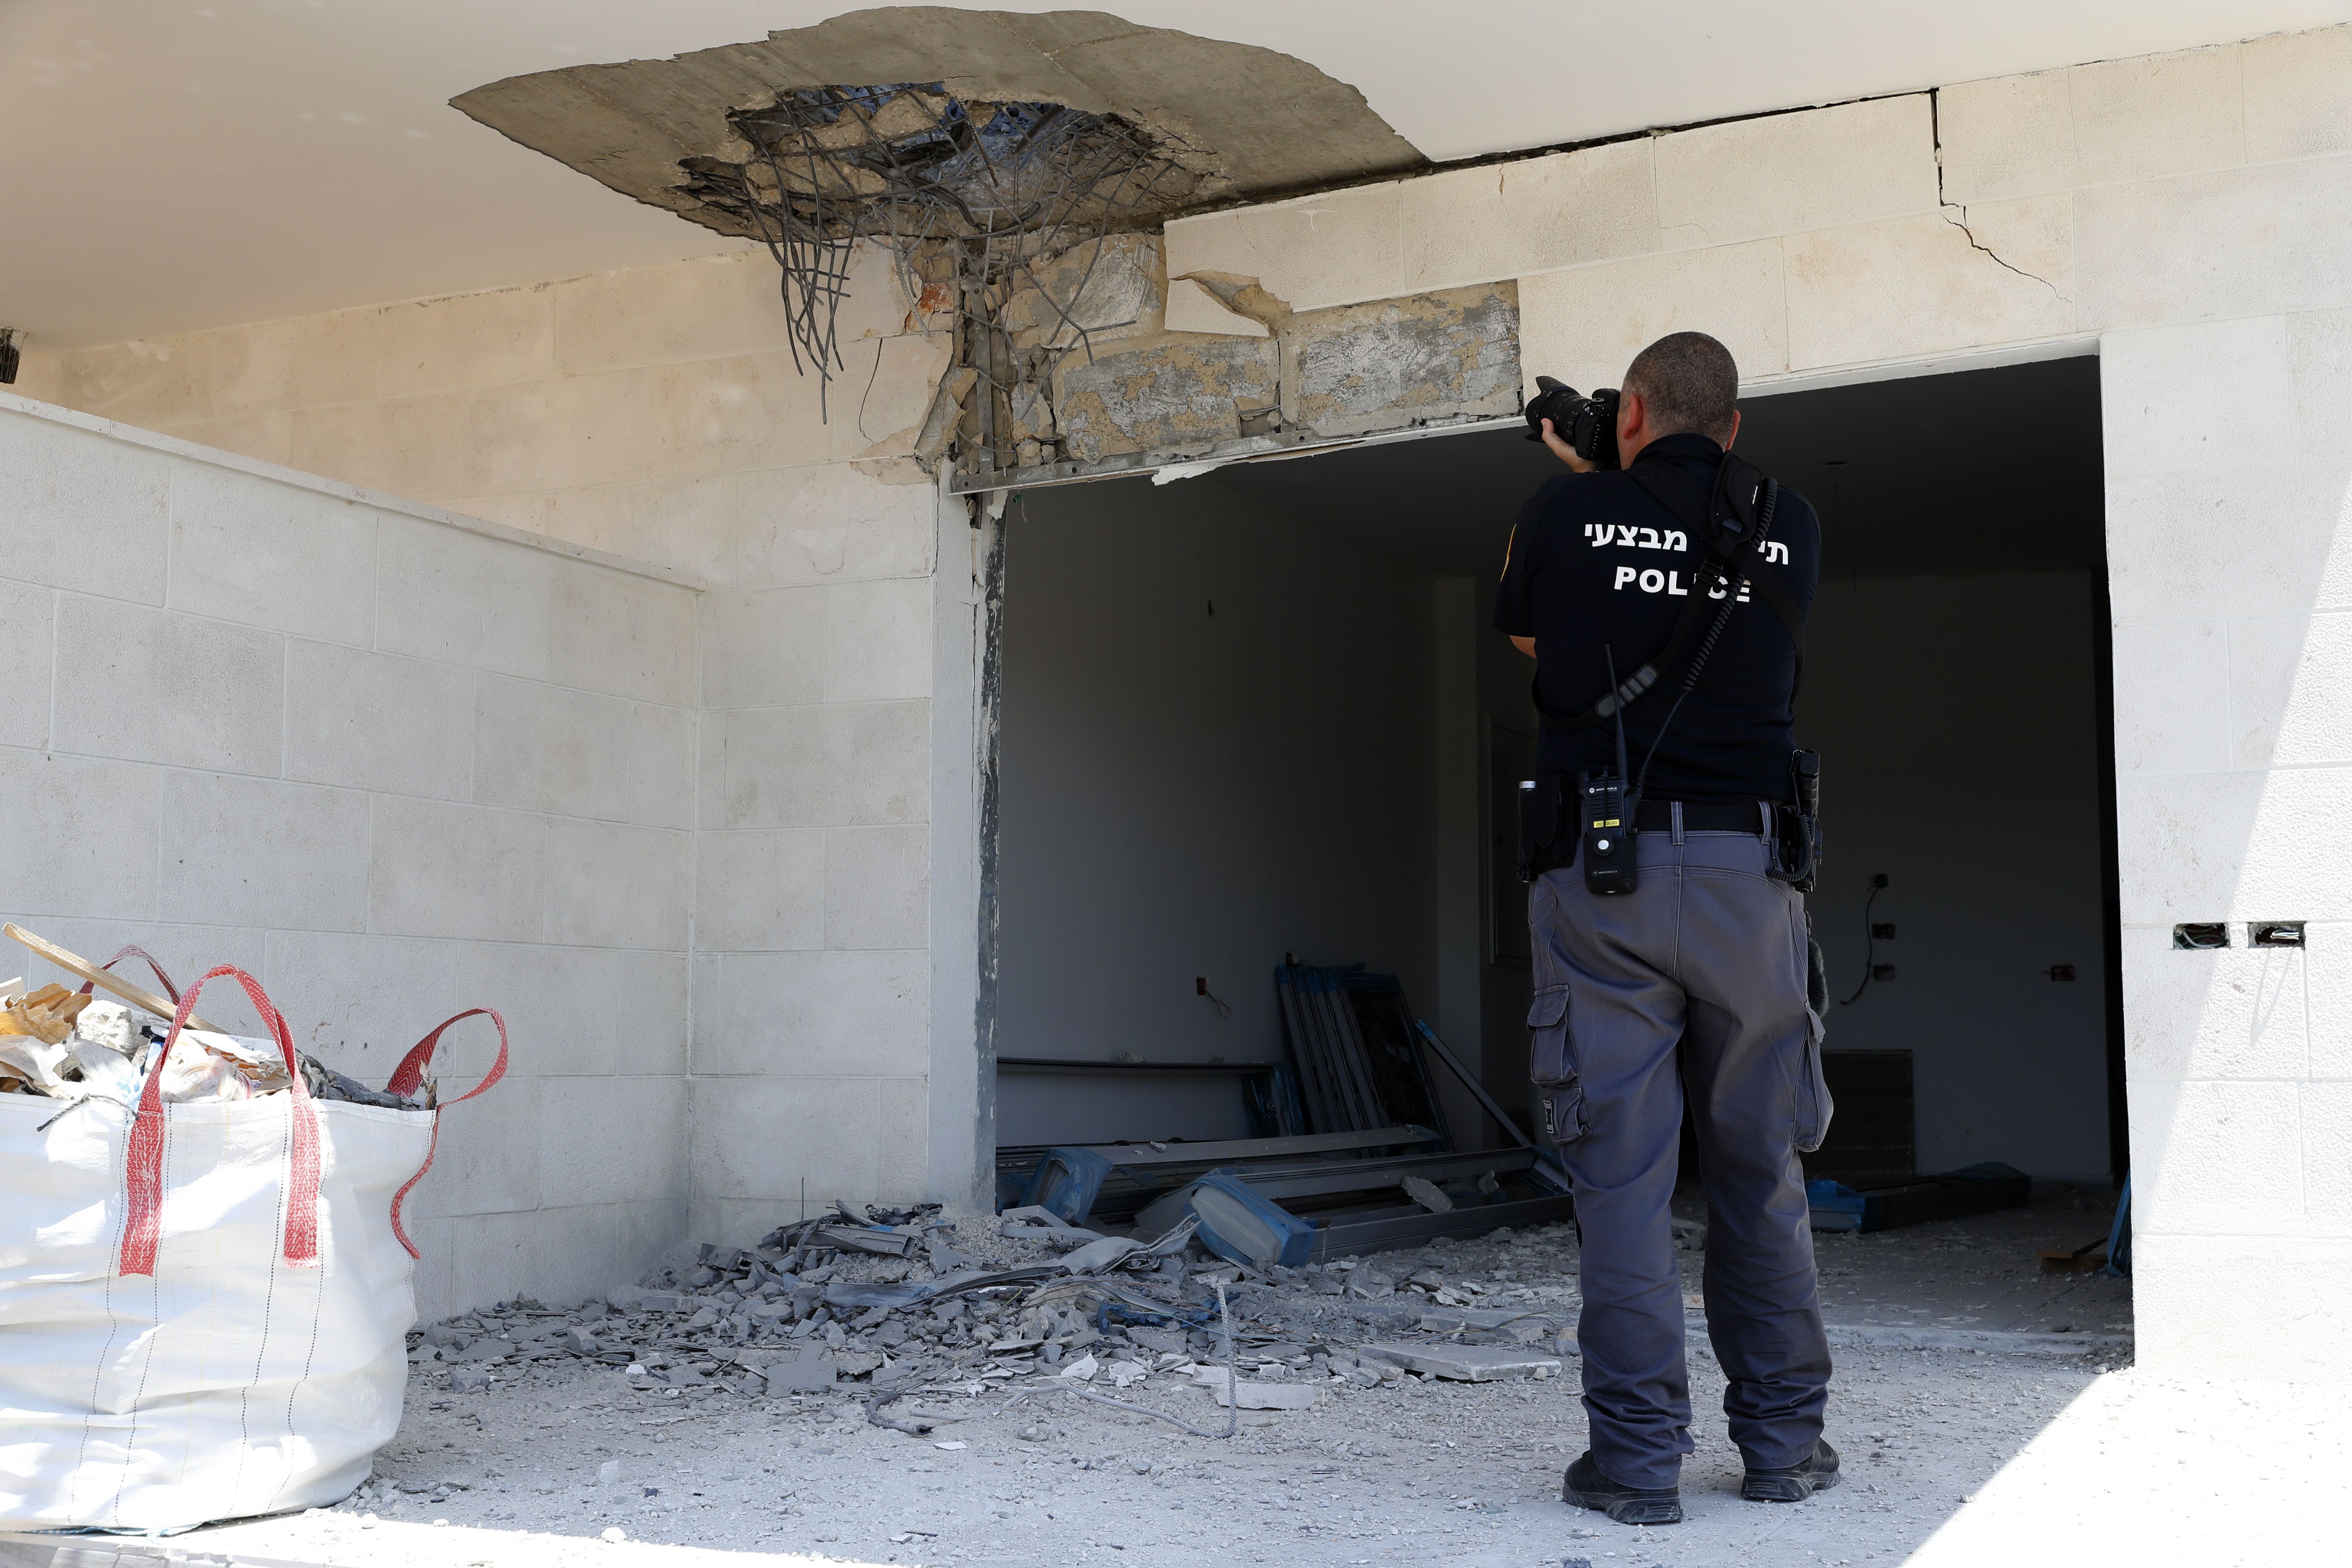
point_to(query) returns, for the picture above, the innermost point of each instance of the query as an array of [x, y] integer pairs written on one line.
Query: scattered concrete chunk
[[1256, 1396], [1426, 1193], [1098, 1254], [634, 1299], [809, 1372], [1466, 1363]]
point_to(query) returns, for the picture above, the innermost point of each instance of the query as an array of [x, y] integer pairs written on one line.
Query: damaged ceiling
[[1255, 123], [295, 156]]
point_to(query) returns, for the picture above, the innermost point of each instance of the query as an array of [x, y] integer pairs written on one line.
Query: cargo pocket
[[1560, 1095], [1813, 1105]]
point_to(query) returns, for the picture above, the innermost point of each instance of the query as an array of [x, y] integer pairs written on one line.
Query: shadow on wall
[[2232, 806]]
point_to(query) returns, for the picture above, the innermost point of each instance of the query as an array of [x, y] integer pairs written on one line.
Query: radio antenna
[[1610, 654]]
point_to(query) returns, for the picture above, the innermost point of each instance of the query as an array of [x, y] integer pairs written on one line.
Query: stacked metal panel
[[1351, 1038]]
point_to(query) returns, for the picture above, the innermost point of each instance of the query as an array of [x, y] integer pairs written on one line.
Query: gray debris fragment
[[1096, 1256], [1426, 1193], [1466, 1363]]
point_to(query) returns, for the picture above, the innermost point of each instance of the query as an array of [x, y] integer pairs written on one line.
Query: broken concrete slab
[[1536, 1320], [630, 1299], [1175, 394], [1253, 1395], [809, 1372], [1465, 1363], [1191, 308], [1382, 366]]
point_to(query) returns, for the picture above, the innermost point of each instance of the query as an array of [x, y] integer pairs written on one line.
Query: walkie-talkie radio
[[1607, 824]]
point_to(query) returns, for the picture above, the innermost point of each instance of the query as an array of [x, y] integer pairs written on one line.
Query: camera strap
[[1731, 518]]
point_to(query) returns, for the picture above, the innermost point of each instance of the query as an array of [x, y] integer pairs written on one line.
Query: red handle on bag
[[143, 1158], [411, 1073], [89, 986]]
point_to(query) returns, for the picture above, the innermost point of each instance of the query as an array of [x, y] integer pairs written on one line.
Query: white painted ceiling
[[166, 166]]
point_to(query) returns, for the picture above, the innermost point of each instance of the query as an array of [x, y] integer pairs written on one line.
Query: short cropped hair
[[1689, 382]]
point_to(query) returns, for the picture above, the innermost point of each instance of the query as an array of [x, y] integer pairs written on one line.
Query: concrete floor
[[1446, 1474]]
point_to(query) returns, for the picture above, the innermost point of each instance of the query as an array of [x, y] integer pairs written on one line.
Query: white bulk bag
[[205, 1318]]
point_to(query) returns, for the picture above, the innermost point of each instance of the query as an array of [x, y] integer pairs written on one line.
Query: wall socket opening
[[2199, 935], [2274, 933]]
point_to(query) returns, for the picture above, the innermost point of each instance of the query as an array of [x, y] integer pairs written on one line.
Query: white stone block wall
[[657, 414], [395, 769]]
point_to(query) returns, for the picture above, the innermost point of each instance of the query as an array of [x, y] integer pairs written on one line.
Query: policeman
[[1692, 983]]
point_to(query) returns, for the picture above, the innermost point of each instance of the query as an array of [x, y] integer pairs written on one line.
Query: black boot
[[1797, 1482], [1586, 1486]]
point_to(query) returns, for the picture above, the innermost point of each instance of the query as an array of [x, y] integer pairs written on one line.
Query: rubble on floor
[[905, 1303], [1341, 1452]]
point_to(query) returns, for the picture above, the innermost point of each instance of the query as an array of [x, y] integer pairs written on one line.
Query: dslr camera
[[1587, 423]]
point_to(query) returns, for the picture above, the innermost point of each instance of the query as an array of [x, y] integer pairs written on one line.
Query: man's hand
[[1564, 452]]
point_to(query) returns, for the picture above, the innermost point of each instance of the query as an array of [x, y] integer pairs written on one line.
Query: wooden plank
[[105, 979]]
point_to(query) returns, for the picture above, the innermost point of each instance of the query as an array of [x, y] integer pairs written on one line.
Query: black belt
[[1700, 816]]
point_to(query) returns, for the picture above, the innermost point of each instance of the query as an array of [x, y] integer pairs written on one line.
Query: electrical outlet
[[2060, 972], [1878, 879], [1881, 972], [1882, 932]]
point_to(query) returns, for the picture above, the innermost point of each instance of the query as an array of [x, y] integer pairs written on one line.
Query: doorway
[[1259, 714]]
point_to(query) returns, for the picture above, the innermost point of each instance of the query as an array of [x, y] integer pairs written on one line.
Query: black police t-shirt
[[1596, 562]]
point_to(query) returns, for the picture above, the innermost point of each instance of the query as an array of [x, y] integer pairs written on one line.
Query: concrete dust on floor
[[1387, 1467]]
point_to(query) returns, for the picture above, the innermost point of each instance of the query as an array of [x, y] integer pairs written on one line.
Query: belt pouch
[[1538, 825]]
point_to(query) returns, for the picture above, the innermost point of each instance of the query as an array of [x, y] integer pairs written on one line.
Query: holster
[[1547, 833]]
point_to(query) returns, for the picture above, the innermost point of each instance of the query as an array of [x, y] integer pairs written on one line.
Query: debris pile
[[841, 1311]]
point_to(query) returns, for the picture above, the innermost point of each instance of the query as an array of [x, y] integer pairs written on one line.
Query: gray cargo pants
[[1694, 984]]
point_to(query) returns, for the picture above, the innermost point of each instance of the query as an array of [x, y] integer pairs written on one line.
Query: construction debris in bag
[[47, 1015], [67, 1046]]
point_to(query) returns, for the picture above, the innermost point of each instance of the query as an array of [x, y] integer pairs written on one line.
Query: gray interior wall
[[1189, 794], [1506, 701], [1958, 724]]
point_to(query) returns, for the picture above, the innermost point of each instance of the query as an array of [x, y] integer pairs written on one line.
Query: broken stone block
[[1193, 308], [1250, 1396], [1167, 1342], [1466, 1363], [1386, 366], [482, 1350], [468, 1381], [577, 1340], [807, 1372], [635, 1300], [1175, 396]]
